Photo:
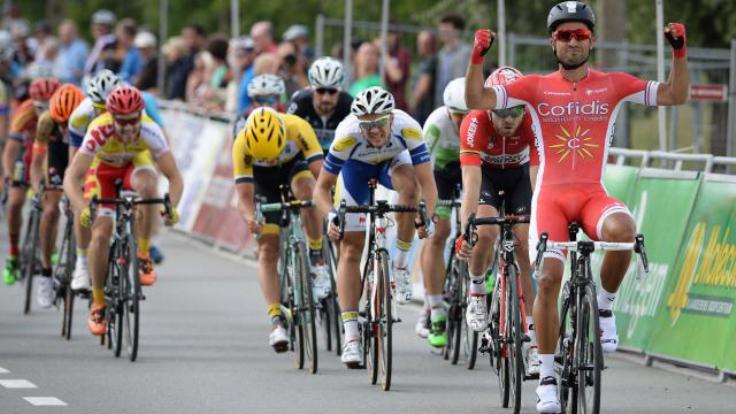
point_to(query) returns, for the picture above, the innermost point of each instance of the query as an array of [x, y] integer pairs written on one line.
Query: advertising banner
[[696, 319], [620, 180]]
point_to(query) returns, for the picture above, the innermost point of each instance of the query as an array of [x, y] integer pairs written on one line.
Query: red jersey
[[574, 121], [23, 123], [480, 143]]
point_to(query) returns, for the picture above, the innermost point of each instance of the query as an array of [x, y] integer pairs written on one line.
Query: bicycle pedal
[[526, 338]]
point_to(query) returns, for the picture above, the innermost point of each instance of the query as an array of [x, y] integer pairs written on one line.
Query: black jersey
[[301, 105]]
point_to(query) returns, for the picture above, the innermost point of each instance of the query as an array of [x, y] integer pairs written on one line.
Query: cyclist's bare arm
[[425, 176], [476, 95], [245, 197], [38, 160], [315, 167], [533, 169], [10, 153], [471, 192], [323, 190], [167, 165], [74, 179], [675, 90]]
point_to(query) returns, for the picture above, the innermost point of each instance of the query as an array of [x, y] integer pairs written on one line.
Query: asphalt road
[[204, 350]]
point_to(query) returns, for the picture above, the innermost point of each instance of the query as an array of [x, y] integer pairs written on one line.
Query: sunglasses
[[567, 35], [514, 112], [266, 100], [381, 122], [328, 91], [128, 120], [41, 106]]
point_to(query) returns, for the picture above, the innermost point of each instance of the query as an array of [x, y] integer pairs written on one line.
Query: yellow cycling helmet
[[265, 134]]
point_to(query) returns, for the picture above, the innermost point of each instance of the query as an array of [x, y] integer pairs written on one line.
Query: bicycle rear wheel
[[564, 362], [588, 353], [296, 335], [63, 275], [454, 318], [306, 311], [30, 259], [132, 296], [514, 348], [385, 320], [372, 315]]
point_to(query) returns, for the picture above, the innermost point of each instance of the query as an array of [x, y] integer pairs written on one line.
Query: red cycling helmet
[[124, 100], [503, 76], [43, 88]]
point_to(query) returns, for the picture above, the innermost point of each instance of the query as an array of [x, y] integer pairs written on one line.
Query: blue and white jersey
[[349, 143]]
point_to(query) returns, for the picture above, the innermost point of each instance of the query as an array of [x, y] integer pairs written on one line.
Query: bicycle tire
[[119, 280], [296, 333], [454, 314], [504, 371], [564, 366], [131, 303], [516, 361], [32, 259], [386, 322], [371, 323], [470, 336], [336, 318], [65, 269], [589, 353], [307, 317]]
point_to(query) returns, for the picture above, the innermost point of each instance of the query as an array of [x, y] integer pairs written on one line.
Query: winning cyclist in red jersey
[[573, 112]]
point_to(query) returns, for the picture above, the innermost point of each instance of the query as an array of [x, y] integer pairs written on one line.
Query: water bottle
[[19, 172], [490, 280]]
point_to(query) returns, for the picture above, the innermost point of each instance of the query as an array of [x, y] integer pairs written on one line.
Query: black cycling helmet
[[570, 11]]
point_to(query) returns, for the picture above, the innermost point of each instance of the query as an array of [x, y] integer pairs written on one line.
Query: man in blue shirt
[[246, 47], [69, 63]]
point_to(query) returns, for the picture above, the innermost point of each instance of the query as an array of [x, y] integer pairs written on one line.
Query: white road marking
[[45, 401], [4, 371], [17, 383]]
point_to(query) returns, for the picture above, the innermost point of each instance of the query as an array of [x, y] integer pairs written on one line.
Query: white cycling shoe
[[278, 339], [402, 285], [421, 328], [548, 401], [80, 279], [476, 314], [352, 354], [532, 360], [45, 294], [321, 282], [609, 337]]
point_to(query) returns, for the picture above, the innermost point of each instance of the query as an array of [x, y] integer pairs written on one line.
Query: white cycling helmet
[[454, 96], [326, 72], [101, 85], [266, 84], [374, 100]]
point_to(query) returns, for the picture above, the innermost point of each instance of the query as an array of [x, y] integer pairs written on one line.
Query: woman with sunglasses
[[324, 104], [496, 155], [17, 161], [574, 110], [264, 91]]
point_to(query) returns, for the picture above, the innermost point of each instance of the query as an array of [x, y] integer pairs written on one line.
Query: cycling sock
[[46, 272], [81, 258], [477, 284], [274, 312], [98, 296], [14, 250], [605, 299], [546, 366], [316, 257], [436, 306], [403, 256], [315, 244], [350, 322], [143, 247]]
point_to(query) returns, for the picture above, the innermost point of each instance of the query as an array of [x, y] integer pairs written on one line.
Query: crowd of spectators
[[212, 71]]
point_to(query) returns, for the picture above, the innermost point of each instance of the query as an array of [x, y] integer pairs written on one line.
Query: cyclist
[[496, 151], [323, 104], [274, 149], [120, 145], [98, 88], [574, 110], [375, 142], [441, 135], [50, 159], [264, 90], [16, 164]]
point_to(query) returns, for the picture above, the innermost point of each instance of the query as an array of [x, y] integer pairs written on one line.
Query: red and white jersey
[[480, 143], [574, 121]]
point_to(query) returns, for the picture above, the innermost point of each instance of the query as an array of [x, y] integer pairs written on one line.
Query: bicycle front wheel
[[132, 296], [306, 309], [384, 333], [515, 329], [588, 354], [31, 260], [115, 284]]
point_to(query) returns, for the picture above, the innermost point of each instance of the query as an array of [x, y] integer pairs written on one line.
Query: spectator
[[125, 32], [194, 39], [102, 55], [299, 35], [176, 53], [453, 57], [262, 35], [423, 98], [266, 63], [197, 81], [366, 69], [218, 78], [245, 56], [397, 66], [43, 34], [292, 68], [69, 64], [43, 66], [147, 79], [25, 46]]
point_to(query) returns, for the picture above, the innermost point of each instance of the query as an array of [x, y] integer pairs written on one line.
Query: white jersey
[[79, 120], [349, 143], [442, 136]]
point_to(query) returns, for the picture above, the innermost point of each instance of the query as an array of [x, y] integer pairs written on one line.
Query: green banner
[[661, 204], [696, 319], [620, 181]]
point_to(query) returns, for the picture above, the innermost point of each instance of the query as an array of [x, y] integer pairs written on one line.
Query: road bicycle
[[30, 253], [63, 272]]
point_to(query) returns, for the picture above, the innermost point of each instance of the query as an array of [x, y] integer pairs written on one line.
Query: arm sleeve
[[431, 135], [340, 148], [307, 140], [78, 123], [528, 133], [519, 92], [470, 141], [412, 133], [242, 161], [633, 89], [154, 138]]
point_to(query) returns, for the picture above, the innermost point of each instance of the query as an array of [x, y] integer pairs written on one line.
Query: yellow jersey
[[102, 142]]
